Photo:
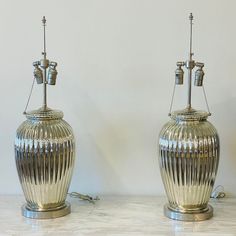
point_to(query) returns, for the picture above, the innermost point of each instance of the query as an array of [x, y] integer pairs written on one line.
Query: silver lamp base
[[52, 213], [175, 215]]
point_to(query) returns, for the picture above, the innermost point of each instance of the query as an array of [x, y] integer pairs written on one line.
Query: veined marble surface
[[116, 216]]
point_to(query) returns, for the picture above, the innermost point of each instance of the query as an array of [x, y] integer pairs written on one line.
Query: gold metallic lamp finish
[[188, 157], [45, 154]]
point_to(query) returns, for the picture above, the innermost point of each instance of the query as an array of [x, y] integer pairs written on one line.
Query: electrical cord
[[84, 197], [218, 192], [31, 90]]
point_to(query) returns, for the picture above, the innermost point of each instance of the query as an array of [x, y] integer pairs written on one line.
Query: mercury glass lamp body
[[45, 153], [188, 157]]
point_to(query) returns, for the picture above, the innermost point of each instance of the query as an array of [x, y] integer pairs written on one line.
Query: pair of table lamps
[[188, 152]]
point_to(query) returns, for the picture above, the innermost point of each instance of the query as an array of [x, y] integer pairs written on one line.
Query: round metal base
[[176, 215], [52, 213]]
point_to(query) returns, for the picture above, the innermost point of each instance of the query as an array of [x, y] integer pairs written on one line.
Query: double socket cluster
[[199, 74], [52, 72]]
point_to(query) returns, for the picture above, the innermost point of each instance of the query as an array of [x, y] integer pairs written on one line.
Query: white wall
[[116, 72]]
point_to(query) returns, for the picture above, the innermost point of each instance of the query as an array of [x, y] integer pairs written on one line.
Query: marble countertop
[[116, 215]]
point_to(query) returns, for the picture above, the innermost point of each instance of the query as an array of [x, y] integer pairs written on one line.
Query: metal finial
[[191, 16], [44, 21]]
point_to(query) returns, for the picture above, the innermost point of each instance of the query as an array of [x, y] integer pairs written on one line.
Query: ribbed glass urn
[[188, 157], [45, 153], [189, 154]]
